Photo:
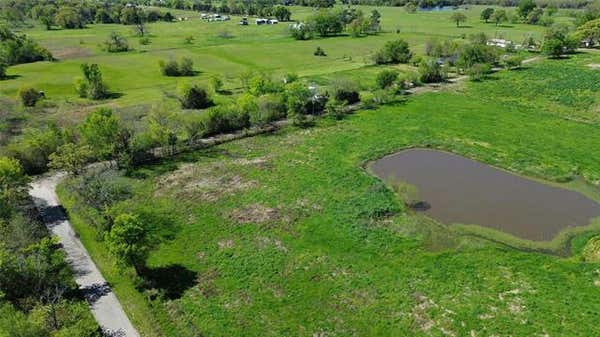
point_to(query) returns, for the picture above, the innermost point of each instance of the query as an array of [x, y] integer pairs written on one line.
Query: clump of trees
[[91, 85], [18, 49], [39, 296], [185, 67], [458, 18], [396, 51], [330, 22]]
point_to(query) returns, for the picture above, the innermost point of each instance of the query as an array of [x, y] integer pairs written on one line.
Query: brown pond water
[[461, 190]]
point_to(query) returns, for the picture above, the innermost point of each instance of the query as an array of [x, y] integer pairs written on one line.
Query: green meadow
[[289, 235], [225, 49]]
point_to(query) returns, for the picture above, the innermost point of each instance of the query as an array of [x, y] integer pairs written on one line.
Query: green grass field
[[136, 74], [291, 236]]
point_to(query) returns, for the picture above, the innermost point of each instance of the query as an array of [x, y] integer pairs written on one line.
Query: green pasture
[[290, 235]]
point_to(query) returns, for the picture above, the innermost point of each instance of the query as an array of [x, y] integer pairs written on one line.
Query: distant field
[[136, 74], [290, 236]]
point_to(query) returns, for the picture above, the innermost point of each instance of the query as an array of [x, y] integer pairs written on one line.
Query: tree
[[558, 42], [129, 242], [297, 95], [499, 16], [282, 13], [302, 31], [99, 131], [410, 7], [525, 7], [386, 78], [91, 86], [327, 22], [68, 18], [396, 51], [216, 82], [471, 54], [374, 21], [589, 32], [71, 158], [458, 17], [486, 14], [13, 185]]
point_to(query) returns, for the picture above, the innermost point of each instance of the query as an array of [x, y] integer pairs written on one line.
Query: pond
[[455, 189]]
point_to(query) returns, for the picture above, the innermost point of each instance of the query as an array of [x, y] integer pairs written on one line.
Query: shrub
[[270, 108], [393, 52], [386, 78], [116, 43], [430, 72], [335, 109], [479, 71], [261, 83], [345, 90], [513, 61], [185, 67], [169, 68], [225, 119], [319, 52], [29, 96], [471, 54], [195, 97]]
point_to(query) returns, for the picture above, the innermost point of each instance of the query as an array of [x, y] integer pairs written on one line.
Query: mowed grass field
[[289, 235], [221, 48]]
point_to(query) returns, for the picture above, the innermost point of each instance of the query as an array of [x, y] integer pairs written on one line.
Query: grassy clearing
[[290, 235]]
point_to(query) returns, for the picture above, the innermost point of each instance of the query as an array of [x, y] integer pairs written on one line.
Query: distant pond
[[455, 189]]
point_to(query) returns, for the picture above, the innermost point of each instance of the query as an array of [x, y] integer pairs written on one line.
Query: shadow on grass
[[9, 77], [171, 281]]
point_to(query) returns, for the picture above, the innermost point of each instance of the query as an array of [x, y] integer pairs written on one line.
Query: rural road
[[104, 304]]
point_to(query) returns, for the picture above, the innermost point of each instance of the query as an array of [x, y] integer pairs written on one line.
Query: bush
[[185, 67], [479, 71], [393, 52], [195, 97], [431, 72], [225, 119], [270, 108], [335, 109], [29, 96], [145, 41], [513, 61], [116, 43], [386, 78], [319, 52], [345, 90]]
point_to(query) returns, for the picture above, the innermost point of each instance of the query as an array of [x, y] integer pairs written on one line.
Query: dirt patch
[[595, 66], [71, 53], [255, 213], [208, 183], [261, 162]]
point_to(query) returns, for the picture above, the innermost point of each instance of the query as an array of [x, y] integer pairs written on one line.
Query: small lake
[[456, 189]]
